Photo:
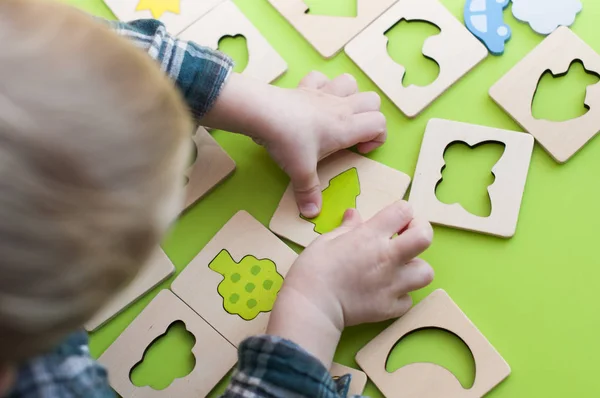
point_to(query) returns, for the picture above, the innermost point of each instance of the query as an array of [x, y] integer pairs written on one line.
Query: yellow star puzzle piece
[[159, 7]]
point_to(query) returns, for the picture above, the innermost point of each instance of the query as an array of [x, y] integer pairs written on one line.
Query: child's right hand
[[361, 272]]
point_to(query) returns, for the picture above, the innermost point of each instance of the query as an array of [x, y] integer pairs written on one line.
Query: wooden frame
[[515, 92], [197, 284], [264, 63], [455, 50], [189, 12], [428, 379], [329, 34], [214, 355], [359, 379], [212, 166], [380, 186], [158, 268], [505, 193]]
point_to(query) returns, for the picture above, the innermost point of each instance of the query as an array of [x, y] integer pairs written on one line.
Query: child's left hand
[[301, 126]]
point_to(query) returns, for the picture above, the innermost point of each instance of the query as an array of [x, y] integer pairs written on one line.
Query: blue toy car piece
[[485, 20]]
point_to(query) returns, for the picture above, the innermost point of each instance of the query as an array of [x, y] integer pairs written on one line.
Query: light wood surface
[[264, 63], [359, 379], [197, 284], [158, 268], [505, 193], [420, 380], [212, 166], [329, 34], [380, 186], [515, 91], [189, 12], [214, 355], [455, 50]]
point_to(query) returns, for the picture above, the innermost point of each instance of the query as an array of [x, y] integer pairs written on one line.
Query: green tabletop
[[534, 296]]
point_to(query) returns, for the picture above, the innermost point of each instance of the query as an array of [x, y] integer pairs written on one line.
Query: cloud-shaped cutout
[[545, 16]]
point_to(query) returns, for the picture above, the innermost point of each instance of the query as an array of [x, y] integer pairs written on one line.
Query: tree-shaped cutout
[[237, 48], [168, 358], [338, 197], [248, 287], [333, 8], [438, 346], [562, 97], [405, 47], [158, 7], [467, 175]]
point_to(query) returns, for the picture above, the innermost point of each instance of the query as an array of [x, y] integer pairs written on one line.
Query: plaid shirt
[[268, 366]]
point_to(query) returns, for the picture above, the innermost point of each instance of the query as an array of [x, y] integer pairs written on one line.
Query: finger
[[351, 220], [366, 128], [307, 190], [365, 102], [400, 307], [315, 80], [414, 275], [413, 241], [392, 219], [342, 86]]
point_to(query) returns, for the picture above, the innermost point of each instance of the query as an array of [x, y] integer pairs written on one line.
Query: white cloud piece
[[544, 16]]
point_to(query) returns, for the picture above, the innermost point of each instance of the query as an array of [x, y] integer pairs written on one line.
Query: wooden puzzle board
[[455, 50], [515, 92], [359, 379], [422, 379], [506, 192], [189, 11], [380, 186], [264, 63], [153, 322], [197, 284], [212, 166], [328, 34], [158, 268]]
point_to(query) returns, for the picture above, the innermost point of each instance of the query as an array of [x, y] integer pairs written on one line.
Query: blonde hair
[[91, 147]]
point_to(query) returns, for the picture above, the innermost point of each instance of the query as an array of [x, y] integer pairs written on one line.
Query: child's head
[[93, 145]]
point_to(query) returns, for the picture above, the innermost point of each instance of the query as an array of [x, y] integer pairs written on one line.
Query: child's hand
[[359, 273], [301, 126]]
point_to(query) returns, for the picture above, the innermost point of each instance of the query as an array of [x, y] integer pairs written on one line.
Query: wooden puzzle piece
[[264, 63], [214, 355], [379, 186], [329, 34], [505, 193], [211, 167], [197, 285], [515, 92], [158, 268], [175, 14], [358, 382], [544, 16], [455, 50], [427, 379], [484, 18]]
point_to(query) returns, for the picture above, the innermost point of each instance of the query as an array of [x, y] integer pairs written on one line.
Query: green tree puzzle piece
[[248, 287], [338, 197], [237, 48], [334, 8], [166, 359], [561, 97], [405, 47], [467, 175]]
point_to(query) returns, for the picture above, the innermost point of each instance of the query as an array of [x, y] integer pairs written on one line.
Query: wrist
[[299, 319]]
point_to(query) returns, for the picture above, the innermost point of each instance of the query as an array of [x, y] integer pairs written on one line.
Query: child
[[94, 144]]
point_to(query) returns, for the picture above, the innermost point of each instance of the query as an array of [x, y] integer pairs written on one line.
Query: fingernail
[[310, 210]]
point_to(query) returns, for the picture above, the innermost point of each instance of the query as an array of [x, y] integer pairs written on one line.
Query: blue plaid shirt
[[268, 366]]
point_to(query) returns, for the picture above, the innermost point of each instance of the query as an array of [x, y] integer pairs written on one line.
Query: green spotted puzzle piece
[[338, 197], [248, 287]]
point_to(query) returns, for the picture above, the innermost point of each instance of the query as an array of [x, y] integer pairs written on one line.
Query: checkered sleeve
[[198, 71], [269, 366]]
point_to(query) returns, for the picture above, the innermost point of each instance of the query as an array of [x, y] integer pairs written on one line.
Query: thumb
[[307, 190]]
